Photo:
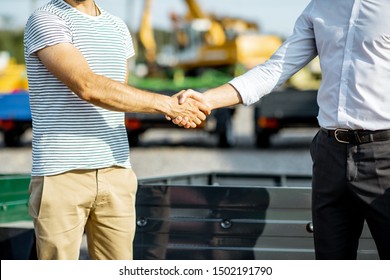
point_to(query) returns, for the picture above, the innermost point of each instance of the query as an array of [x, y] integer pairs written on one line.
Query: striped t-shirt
[[68, 132]]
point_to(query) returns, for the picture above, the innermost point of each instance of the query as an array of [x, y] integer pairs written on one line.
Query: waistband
[[357, 136]]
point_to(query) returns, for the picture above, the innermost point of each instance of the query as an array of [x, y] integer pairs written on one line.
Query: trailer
[[202, 216], [229, 216]]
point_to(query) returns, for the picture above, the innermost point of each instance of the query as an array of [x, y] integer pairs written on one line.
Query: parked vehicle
[[218, 124], [15, 120], [15, 117], [202, 40], [284, 109]]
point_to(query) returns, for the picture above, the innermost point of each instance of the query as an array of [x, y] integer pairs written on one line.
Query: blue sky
[[274, 16]]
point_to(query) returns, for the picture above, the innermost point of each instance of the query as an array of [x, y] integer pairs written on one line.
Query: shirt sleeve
[[128, 41], [44, 29], [298, 50]]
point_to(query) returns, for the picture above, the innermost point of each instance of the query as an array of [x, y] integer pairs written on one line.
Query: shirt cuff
[[247, 90]]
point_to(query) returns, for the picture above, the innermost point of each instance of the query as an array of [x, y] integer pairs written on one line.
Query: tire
[[12, 138], [224, 129], [133, 138], [263, 138]]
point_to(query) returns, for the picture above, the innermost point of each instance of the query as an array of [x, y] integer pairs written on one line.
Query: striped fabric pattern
[[68, 132]]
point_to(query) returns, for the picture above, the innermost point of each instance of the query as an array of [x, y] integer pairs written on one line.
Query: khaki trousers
[[99, 202]]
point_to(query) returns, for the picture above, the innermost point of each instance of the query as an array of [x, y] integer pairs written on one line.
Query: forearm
[[104, 92], [99, 90], [116, 96], [222, 96]]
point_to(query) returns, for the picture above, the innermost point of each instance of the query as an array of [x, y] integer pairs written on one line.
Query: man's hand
[[219, 97], [190, 96], [189, 109]]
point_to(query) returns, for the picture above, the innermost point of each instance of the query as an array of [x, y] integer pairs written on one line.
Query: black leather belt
[[357, 136]]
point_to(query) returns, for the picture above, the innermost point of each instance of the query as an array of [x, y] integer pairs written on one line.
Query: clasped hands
[[190, 110]]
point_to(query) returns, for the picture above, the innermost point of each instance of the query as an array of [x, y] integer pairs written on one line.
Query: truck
[[15, 116], [15, 120], [218, 124], [199, 216], [294, 105], [287, 108]]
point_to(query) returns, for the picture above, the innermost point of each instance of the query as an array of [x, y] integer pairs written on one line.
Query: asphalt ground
[[169, 152]]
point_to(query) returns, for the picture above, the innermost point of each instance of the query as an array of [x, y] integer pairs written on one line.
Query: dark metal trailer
[[201, 216], [228, 216]]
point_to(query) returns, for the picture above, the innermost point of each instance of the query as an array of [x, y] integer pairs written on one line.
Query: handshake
[[189, 110]]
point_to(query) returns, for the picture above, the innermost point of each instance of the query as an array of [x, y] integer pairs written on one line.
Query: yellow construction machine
[[13, 76], [202, 40]]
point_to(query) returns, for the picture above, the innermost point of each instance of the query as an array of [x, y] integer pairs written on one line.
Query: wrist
[[209, 98], [165, 105]]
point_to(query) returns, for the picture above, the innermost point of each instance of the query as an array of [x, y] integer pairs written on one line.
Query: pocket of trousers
[[35, 200], [313, 145]]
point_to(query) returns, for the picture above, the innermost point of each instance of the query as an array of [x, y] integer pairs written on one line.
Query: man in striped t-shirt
[[76, 56]]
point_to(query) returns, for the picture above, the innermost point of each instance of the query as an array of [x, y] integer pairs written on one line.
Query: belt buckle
[[336, 132]]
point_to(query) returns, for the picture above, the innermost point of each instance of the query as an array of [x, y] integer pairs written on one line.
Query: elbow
[[85, 89]]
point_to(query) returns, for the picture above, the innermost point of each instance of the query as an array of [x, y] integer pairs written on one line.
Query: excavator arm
[[146, 35], [215, 36]]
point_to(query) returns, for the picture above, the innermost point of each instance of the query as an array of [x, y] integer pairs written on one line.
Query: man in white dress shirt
[[351, 151]]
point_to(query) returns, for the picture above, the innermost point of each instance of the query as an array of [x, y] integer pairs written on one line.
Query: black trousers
[[351, 184]]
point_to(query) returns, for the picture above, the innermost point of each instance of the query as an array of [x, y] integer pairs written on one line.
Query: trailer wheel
[[224, 129], [133, 137], [226, 137], [12, 138], [263, 138]]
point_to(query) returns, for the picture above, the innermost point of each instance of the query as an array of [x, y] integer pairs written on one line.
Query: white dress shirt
[[352, 39]]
